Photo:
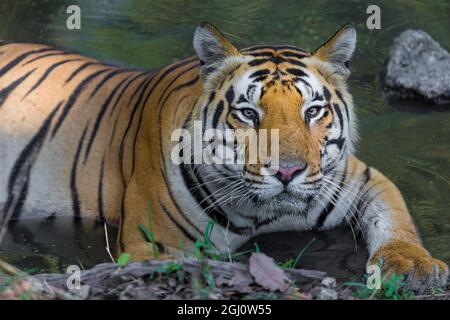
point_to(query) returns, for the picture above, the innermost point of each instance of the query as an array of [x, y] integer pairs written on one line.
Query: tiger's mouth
[[286, 196], [282, 203]]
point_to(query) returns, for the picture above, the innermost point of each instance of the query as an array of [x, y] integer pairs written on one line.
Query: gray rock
[[321, 293], [417, 67], [329, 282]]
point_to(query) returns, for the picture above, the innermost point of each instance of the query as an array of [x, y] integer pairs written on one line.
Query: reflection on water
[[408, 142], [52, 245]]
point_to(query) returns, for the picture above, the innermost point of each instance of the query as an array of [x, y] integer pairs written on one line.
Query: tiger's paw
[[422, 271], [141, 251]]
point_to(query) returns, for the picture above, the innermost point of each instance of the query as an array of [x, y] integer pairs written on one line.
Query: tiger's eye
[[249, 113], [312, 112]]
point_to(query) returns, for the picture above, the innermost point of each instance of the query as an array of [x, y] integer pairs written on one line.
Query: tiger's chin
[[284, 202]]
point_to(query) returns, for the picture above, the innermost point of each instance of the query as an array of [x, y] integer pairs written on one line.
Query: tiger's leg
[[392, 237], [131, 239]]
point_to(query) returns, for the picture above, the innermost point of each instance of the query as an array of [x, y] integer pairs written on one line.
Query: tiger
[[83, 138]]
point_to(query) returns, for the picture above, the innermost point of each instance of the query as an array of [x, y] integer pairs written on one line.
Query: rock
[[329, 282], [321, 293], [417, 67]]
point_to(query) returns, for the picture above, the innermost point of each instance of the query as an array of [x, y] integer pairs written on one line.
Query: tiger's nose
[[287, 172]]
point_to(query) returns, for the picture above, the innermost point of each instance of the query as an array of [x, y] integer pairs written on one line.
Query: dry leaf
[[240, 281], [267, 274]]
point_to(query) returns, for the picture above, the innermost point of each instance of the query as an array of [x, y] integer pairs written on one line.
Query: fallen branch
[[169, 279]]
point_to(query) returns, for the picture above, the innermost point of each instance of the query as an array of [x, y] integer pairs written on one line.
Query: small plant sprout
[[123, 259], [148, 232], [291, 263], [393, 287]]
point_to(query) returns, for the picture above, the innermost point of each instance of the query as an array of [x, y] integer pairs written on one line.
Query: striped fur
[[84, 138]]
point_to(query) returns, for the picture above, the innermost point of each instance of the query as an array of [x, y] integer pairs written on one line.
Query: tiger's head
[[301, 94]]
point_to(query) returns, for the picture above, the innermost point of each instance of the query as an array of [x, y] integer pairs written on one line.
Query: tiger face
[[299, 95]]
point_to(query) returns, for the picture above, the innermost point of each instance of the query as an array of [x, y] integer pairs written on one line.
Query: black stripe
[[257, 62], [296, 72], [263, 54], [121, 149], [179, 87], [277, 59], [46, 74], [276, 47], [178, 207], [367, 177], [258, 47], [167, 87], [259, 73], [20, 173], [73, 176], [331, 204], [289, 47], [105, 79], [20, 58], [259, 79], [216, 213], [186, 84], [326, 93], [241, 99], [123, 91], [229, 95], [364, 203], [367, 174], [306, 83], [339, 94], [295, 62], [101, 214], [293, 54], [99, 118], [48, 55], [317, 97], [205, 110], [236, 117], [81, 68], [341, 119], [166, 72], [73, 98], [339, 142], [217, 113], [5, 92], [142, 87], [116, 103], [178, 225]]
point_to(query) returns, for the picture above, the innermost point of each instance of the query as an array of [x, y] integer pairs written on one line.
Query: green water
[[409, 142]]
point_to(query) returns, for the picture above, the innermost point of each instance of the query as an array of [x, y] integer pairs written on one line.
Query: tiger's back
[[66, 123]]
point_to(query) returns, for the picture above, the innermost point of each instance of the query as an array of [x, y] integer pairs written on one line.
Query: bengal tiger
[[89, 139]]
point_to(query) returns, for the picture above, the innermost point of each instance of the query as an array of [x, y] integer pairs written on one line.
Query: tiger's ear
[[339, 49], [212, 47]]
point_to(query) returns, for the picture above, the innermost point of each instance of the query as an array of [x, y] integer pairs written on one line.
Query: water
[[409, 142]]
